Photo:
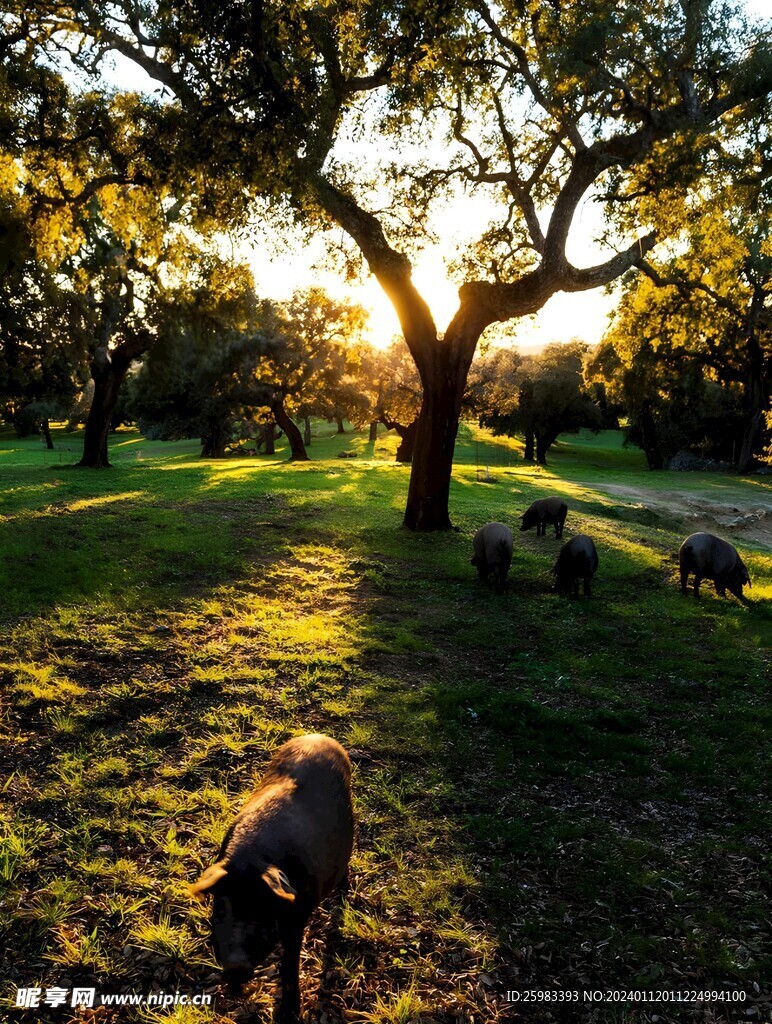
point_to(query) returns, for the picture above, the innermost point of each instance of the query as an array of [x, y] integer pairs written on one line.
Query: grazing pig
[[288, 847], [545, 510], [709, 557], [493, 552], [577, 559]]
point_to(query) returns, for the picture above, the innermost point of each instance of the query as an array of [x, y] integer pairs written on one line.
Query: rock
[[689, 462]]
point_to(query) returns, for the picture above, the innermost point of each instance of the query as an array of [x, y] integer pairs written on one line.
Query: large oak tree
[[530, 104], [708, 306]]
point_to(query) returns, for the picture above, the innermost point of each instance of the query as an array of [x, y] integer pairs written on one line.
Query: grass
[[550, 792]]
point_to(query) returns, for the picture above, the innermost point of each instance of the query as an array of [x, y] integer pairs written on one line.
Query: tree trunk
[[542, 446], [407, 441], [528, 453], [108, 375], [544, 441], [45, 430], [407, 436], [339, 421], [444, 368], [373, 431], [306, 430], [269, 438], [295, 438], [756, 403], [429, 491], [650, 438], [214, 440], [108, 371], [748, 443]]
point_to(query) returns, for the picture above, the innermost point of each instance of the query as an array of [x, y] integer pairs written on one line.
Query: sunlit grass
[[402, 1007], [529, 771], [161, 936], [19, 844], [75, 947]]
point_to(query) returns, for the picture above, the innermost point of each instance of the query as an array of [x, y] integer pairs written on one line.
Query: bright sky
[[279, 269]]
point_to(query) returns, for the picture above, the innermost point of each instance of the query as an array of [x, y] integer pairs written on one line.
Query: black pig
[[577, 560], [709, 557], [288, 847], [545, 510], [493, 552]]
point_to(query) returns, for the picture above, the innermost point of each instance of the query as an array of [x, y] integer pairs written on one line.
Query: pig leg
[[586, 586], [697, 581], [684, 579], [289, 1007], [576, 586], [345, 883]]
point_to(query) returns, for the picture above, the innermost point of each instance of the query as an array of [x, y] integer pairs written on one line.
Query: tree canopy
[[704, 312], [527, 105], [540, 396]]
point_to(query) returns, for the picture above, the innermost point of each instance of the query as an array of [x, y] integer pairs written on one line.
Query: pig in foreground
[[493, 552], [288, 847], [545, 510], [709, 557], [577, 560]]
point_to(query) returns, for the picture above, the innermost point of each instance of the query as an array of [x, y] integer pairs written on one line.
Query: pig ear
[[209, 879], [279, 884]]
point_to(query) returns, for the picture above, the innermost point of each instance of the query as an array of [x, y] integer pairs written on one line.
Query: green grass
[[550, 792]]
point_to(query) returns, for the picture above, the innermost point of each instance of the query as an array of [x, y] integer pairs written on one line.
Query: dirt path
[[744, 516]]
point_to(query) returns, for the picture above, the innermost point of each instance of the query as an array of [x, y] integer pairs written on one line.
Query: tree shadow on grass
[[534, 776]]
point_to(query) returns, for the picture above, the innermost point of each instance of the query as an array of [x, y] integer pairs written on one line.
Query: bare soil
[[742, 517]]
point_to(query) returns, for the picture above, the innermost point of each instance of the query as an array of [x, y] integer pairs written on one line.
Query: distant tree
[[309, 360], [708, 306], [669, 403], [542, 397], [42, 324], [230, 366], [534, 104], [494, 378], [199, 378], [330, 331], [391, 387]]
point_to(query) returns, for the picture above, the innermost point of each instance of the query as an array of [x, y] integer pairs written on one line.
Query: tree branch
[[575, 280], [391, 268], [686, 286]]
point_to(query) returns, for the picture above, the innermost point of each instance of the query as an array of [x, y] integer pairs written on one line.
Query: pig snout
[[236, 974]]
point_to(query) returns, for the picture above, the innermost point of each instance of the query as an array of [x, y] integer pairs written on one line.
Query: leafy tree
[[669, 402], [541, 397], [327, 331], [229, 365], [534, 104], [199, 378], [493, 380], [309, 359], [40, 322], [98, 220], [706, 310], [389, 382]]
